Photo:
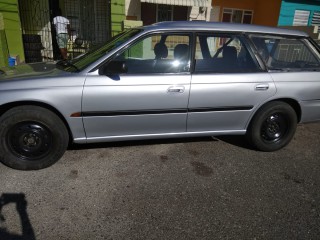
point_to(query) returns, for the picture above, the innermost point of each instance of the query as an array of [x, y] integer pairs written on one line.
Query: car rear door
[[227, 84]]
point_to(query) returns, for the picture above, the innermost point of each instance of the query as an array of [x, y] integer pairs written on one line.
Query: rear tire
[[31, 138], [273, 126]]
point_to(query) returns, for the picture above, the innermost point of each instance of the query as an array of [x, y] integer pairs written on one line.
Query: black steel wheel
[[31, 138], [273, 126]]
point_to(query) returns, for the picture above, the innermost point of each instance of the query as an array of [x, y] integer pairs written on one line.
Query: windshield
[[81, 62]]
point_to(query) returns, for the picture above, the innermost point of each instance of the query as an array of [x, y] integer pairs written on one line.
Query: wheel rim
[[29, 140], [274, 128]]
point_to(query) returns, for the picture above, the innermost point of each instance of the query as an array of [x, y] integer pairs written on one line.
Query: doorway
[[90, 23]]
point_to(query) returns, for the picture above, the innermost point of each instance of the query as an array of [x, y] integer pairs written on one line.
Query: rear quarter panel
[[304, 87]]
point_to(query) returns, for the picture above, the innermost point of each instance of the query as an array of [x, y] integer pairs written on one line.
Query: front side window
[[286, 53], [158, 53], [81, 62], [216, 53]]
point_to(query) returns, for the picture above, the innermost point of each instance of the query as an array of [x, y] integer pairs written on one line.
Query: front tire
[[31, 138], [273, 126]]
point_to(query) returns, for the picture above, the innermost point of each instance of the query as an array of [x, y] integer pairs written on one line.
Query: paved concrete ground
[[169, 189]]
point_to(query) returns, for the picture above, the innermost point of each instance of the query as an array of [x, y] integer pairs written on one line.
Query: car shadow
[[239, 141]]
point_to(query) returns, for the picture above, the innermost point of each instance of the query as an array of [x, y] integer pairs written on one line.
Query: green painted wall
[[12, 28], [4, 51], [117, 16]]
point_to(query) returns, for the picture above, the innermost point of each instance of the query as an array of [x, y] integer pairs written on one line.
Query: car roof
[[221, 26]]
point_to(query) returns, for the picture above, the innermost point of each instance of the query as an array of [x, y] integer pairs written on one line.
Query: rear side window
[[286, 53], [223, 53]]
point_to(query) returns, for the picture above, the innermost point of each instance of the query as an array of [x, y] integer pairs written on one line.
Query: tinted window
[[223, 53], [283, 53], [159, 53]]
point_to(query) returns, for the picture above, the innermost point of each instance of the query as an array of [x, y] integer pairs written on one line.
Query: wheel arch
[[292, 102], [7, 106]]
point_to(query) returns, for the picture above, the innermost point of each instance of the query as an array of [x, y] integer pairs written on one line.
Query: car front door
[[227, 85], [143, 90]]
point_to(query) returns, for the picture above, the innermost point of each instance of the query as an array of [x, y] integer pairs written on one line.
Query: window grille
[[89, 20]]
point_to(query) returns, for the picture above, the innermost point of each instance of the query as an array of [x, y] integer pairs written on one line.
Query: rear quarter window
[[280, 53]]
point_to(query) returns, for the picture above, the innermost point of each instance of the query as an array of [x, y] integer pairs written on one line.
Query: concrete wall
[[133, 8], [313, 31], [199, 14]]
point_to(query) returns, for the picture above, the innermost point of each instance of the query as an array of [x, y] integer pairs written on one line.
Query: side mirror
[[113, 67]]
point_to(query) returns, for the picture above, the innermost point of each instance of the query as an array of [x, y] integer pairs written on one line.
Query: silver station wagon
[[170, 79]]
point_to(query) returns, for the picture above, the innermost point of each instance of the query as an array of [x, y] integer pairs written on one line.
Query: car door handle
[[176, 89], [262, 87]]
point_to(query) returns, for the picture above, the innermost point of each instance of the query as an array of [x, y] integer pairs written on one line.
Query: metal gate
[[36, 30], [89, 23]]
